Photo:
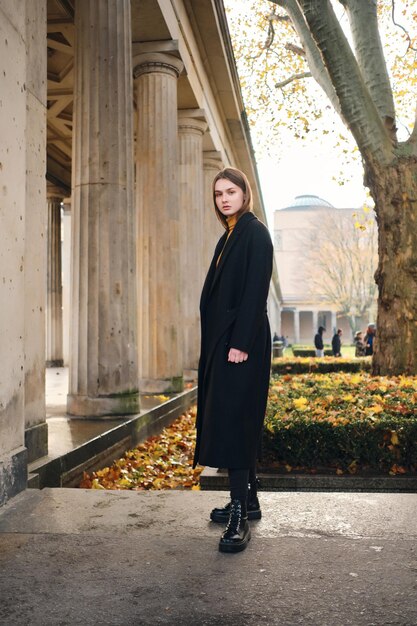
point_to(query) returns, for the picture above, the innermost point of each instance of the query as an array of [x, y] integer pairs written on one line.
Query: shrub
[[342, 422], [324, 365]]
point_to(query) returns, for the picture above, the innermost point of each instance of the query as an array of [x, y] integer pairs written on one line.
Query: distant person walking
[[235, 359], [318, 341], [359, 345], [337, 343], [369, 339]]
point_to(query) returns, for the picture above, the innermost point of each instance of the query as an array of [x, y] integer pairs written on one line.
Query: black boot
[[237, 534], [221, 515]]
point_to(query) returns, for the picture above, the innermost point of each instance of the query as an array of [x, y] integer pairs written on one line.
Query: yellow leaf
[[300, 403], [375, 408], [96, 485], [394, 438], [124, 482]]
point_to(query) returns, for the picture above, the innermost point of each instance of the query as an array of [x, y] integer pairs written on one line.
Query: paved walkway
[[71, 556]]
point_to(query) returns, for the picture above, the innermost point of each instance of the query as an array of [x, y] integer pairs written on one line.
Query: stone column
[[160, 336], [315, 322], [54, 348], [103, 375], [66, 274], [212, 229], [35, 262], [333, 323], [296, 326], [191, 126]]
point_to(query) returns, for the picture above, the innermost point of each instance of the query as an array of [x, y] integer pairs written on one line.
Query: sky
[[308, 170]]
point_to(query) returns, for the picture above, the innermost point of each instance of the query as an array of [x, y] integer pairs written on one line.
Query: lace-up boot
[[237, 534], [221, 515]]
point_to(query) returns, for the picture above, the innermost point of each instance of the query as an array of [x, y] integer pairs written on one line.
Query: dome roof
[[308, 202]]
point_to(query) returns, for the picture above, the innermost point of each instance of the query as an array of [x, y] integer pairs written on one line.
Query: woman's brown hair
[[237, 178]]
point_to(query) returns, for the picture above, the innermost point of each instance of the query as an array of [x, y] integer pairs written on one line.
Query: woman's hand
[[237, 356]]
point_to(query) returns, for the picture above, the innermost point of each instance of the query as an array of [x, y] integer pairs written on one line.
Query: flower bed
[[343, 422], [301, 365]]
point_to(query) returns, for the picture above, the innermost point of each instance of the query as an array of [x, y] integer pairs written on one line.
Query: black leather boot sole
[[236, 545], [221, 515]]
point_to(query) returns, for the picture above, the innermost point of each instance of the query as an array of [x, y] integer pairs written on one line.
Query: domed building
[[306, 238]]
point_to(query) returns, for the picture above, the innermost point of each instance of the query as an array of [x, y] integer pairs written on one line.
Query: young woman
[[235, 358]]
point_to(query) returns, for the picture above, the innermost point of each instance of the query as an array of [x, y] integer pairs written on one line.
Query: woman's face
[[229, 197]]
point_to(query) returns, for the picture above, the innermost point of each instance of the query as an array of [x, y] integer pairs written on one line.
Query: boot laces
[[234, 517]]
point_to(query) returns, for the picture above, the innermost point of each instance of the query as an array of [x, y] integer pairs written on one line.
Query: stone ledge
[[36, 441], [13, 474], [67, 470], [217, 480]]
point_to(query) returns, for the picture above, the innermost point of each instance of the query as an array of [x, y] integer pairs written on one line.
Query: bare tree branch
[[342, 261], [296, 49], [356, 104], [313, 56], [285, 82], [409, 47]]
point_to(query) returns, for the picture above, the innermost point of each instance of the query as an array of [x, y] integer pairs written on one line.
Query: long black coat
[[232, 396]]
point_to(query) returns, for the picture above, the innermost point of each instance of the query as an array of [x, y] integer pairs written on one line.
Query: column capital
[[212, 159], [192, 120], [54, 194], [159, 62]]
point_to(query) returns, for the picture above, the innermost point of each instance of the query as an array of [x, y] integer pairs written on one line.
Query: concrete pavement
[[70, 556]]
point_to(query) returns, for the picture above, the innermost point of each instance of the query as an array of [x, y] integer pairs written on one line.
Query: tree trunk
[[394, 190]]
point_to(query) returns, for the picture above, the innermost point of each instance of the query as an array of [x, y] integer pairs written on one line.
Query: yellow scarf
[[231, 223]]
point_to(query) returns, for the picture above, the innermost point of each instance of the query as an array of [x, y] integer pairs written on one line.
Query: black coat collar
[[241, 225]]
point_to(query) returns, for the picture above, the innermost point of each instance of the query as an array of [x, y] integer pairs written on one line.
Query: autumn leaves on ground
[[352, 415], [161, 462]]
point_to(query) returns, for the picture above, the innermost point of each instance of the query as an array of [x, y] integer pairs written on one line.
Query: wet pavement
[[70, 556], [67, 433]]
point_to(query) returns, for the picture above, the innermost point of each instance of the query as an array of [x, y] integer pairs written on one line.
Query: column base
[[36, 441], [116, 404], [13, 474], [55, 363], [190, 375], [168, 385]]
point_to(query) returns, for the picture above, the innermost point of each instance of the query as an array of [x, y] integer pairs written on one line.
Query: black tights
[[238, 481]]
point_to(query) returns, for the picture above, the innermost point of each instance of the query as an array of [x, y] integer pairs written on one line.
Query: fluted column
[[333, 323], [191, 126], [103, 350], [212, 229], [315, 321], [160, 337], [296, 326], [54, 348]]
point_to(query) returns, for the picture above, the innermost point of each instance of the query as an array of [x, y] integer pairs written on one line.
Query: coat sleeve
[[255, 292]]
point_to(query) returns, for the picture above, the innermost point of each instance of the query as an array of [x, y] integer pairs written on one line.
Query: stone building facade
[[114, 117], [304, 309]]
